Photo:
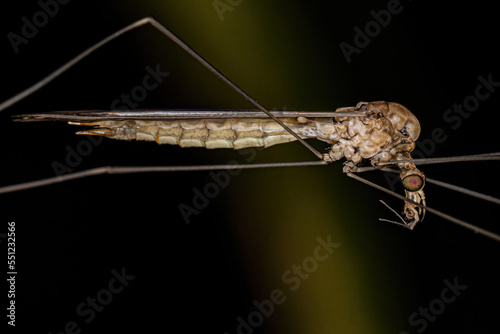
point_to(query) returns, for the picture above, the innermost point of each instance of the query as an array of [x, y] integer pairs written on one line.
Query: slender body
[[380, 131]]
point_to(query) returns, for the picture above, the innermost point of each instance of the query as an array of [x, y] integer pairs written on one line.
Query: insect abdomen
[[209, 133], [221, 133]]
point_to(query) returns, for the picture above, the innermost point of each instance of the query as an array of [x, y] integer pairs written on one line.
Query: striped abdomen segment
[[234, 133]]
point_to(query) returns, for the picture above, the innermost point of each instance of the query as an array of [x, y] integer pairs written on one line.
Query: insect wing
[[103, 115]]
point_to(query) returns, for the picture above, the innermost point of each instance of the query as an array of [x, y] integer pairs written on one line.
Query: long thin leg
[[175, 39], [429, 161], [443, 215], [30, 90], [466, 158], [145, 169], [464, 190]]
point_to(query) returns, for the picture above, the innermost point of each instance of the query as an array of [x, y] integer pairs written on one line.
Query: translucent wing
[[158, 115]]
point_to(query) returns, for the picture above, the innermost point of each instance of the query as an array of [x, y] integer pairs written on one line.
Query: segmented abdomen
[[234, 133]]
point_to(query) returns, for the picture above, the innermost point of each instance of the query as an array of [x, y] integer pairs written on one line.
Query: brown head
[[401, 118]]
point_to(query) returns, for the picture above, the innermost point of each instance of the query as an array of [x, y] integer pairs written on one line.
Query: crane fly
[[383, 132]]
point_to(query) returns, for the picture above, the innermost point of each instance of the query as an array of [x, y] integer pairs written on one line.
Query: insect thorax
[[371, 137]]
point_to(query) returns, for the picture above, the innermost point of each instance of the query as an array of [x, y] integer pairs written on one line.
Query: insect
[[379, 131], [86, 227], [384, 132]]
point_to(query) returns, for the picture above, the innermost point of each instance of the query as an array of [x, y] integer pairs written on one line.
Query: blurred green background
[[286, 55]]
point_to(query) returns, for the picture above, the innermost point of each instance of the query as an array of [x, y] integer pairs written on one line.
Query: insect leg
[[443, 215], [146, 169]]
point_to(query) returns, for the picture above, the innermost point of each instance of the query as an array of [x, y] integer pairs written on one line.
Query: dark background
[[202, 276]]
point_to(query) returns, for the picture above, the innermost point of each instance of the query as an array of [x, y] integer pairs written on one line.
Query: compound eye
[[413, 182]]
